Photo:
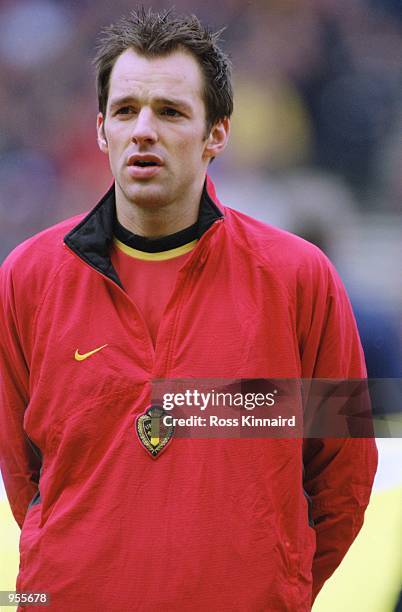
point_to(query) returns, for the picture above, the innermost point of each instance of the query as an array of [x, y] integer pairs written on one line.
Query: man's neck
[[157, 222]]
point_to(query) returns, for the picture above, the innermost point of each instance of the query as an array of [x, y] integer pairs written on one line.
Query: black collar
[[156, 245], [92, 238]]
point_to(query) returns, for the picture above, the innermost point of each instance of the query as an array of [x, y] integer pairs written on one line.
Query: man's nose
[[144, 130]]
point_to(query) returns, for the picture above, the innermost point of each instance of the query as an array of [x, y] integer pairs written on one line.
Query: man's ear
[[100, 128], [217, 139]]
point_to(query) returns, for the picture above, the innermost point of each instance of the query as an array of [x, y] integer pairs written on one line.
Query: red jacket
[[210, 524]]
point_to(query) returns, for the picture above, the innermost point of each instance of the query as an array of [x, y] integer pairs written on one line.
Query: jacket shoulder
[[41, 253], [274, 246]]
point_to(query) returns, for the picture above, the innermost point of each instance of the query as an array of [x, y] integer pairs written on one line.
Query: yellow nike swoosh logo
[[79, 357]]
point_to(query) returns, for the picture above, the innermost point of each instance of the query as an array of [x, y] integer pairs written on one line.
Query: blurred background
[[316, 149]]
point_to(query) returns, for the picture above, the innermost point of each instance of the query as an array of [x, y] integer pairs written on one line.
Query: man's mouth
[[144, 160], [143, 164]]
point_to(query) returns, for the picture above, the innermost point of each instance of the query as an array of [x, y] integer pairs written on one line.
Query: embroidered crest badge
[[153, 434]]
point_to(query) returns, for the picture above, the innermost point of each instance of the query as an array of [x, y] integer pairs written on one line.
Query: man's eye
[[124, 110], [170, 112]]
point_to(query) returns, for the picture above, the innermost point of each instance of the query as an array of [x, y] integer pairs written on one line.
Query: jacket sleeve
[[338, 473], [19, 463]]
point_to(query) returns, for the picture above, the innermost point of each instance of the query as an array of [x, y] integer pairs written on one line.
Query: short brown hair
[[157, 34]]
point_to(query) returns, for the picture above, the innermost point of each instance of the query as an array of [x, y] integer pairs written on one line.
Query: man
[[161, 281]]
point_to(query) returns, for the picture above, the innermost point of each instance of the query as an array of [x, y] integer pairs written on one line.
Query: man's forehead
[[176, 73]]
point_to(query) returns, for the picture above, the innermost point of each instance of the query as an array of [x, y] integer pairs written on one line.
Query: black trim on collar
[[155, 245], [92, 238], [209, 212]]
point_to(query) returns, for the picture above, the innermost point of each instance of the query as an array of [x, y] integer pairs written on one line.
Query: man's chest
[[93, 352]]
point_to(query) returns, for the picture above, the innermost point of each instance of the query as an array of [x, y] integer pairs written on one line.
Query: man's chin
[[147, 195]]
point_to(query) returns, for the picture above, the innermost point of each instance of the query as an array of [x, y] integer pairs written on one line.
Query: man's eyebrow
[[177, 102], [123, 100], [173, 102]]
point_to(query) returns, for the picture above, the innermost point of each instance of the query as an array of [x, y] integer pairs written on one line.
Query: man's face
[[154, 129]]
